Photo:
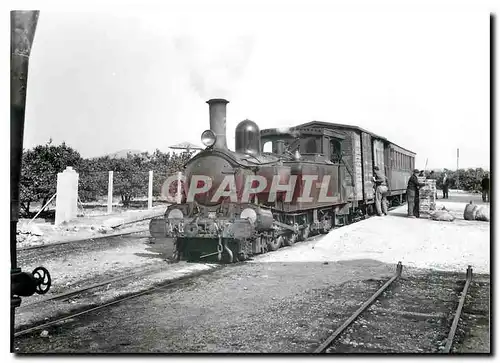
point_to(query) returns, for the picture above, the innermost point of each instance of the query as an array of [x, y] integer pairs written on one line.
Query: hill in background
[[122, 154]]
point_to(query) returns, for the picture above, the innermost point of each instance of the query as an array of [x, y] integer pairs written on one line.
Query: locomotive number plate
[[211, 215]]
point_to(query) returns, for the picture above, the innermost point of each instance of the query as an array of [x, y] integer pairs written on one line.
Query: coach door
[[387, 166]]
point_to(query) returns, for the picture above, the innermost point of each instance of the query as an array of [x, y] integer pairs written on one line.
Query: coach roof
[[352, 127]]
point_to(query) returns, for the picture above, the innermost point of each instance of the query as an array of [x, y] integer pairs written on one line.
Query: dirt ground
[[284, 301], [93, 225], [273, 308], [420, 243], [81, 264], [242, 308]]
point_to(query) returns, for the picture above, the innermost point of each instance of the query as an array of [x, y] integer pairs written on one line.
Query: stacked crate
[[427, 197]]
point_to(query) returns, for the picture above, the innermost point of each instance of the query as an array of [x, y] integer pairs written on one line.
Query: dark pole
[[23, 26]]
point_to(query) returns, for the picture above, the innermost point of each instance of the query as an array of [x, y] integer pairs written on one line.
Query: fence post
[[150, 190], [110, 192], [67, 195]]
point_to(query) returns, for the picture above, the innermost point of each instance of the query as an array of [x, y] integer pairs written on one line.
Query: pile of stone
[[28, 232], [427, 197]]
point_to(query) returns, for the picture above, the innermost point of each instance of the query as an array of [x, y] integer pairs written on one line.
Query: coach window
[[335, 150]]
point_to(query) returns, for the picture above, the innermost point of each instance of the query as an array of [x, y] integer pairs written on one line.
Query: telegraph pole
[[458, 156]]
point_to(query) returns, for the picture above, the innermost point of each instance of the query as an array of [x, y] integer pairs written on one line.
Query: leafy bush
[[464, 179], [39, 169], [130, 175]]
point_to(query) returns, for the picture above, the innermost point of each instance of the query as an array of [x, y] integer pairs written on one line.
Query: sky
[[115, 79]]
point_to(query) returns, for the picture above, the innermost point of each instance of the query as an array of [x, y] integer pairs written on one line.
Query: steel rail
[[358, 312], [95, 286], [89, 240], [458, 313], [114, 302]]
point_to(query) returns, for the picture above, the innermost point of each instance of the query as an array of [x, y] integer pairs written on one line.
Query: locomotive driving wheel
[[274, 243], [327, 226], [304, 234], [291, 239]]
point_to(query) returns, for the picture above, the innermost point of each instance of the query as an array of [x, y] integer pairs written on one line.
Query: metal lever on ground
[[43, 280], [358, 312], [454, 325], [26, 284]]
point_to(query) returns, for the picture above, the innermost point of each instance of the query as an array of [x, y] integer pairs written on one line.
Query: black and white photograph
[[239, 178]]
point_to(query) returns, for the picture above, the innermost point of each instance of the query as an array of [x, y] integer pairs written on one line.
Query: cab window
[[267, 147]]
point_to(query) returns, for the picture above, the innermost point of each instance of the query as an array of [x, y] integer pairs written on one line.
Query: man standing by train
[[446, 184], [485, 188], [381, 190], [413, 196]]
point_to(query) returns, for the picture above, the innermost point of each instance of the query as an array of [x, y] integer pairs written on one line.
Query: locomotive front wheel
[[43, 280], [274, 243]]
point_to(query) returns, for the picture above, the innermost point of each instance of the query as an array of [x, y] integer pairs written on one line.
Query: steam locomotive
[[278, 187]]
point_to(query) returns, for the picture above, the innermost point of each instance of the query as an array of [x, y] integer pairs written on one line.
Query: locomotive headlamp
[[208, 138], [175, 214], [249, 213]]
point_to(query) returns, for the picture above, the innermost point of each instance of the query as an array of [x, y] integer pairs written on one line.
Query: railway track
[[62, 319], [86, 240], [361, 338]]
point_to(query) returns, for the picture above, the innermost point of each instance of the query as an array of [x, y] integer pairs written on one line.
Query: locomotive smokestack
[[218, 121]]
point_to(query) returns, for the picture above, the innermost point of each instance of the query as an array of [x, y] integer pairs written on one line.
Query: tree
[[166, 165], [131, 174], [40, 166], [130, 177], [465, 179], [93, 178]]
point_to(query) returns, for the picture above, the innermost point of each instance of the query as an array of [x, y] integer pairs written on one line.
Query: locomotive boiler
[[278, 187]]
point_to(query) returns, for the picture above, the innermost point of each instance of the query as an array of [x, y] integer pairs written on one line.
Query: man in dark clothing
[[381, 190], [413, 196], [446, 183], [485, 186]]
